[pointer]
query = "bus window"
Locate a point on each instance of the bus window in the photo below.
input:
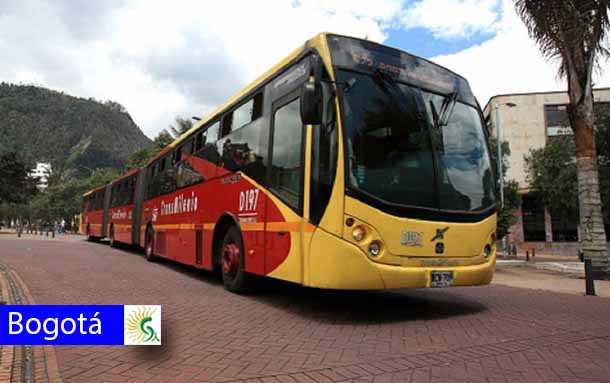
(242, 115)
(257, 108)
(176, 156)
(226, 124)
(246, 150)
(211, 134)
(286, 162)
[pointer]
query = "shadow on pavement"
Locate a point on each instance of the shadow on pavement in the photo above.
(365, 307)
(343, 306)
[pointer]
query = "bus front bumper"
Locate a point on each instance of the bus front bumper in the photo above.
(347, 267)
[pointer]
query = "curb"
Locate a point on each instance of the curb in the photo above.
(572, 268)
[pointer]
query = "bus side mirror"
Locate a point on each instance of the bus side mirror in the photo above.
(311, 103)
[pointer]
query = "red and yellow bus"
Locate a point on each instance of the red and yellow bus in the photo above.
(94, 213)
(348, 165)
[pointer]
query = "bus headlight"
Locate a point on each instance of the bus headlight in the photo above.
(358, 233)
(487, 251)
(375, 248)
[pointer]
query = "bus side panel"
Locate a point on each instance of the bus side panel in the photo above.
(121, 218)
(177, 216)
(93, 220)
(246, 202)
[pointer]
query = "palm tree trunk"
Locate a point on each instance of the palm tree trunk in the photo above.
(592, 233)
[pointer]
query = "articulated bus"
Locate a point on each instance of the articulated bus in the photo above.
(348, 165)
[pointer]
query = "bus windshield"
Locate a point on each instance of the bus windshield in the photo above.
(413, 133)
(399, 153)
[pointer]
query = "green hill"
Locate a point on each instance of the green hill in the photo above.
(72, 133)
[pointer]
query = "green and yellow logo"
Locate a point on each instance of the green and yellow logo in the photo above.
(143, 325)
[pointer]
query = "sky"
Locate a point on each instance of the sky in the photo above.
(163, 59)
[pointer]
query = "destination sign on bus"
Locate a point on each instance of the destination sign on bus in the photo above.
(369, 57)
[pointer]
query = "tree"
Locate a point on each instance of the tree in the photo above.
(182, 126)
(552, 175)
(161, 141)
(140, 157)
(552, 171)
(64, 200)
(602, 140)
(507, 215)
(574, 33)
(16, 186)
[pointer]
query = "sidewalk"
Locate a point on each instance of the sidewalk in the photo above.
(534, 276)
(24, 363)
(12, 234)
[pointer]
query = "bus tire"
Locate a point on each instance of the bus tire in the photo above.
(91, 238)
(111, 237)
(232, 265)
(149, 245)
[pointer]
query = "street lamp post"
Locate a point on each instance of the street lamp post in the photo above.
(499, 159)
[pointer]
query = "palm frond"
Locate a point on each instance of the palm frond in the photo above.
(574, 32)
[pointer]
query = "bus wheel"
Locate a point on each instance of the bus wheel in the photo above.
(234, 275)
(150, 245)
(111, 237)
(90, 238)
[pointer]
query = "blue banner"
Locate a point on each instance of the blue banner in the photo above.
(80, 325)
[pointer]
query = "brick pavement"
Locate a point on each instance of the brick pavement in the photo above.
(288, 333)
(24, 363)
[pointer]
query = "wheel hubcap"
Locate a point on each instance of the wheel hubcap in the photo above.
(230, 259)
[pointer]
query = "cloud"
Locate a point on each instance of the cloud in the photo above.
(163, 59)
(510, 62)
(452, 19)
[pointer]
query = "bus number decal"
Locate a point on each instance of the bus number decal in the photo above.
(248, 200)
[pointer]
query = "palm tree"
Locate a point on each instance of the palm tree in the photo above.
(182, 125)
(574, 32)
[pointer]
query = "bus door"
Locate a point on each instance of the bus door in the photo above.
(286, 173)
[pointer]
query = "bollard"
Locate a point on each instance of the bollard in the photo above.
(527, 256)
(533, 252)
(53, 234)
(589, 278)
(18, 233)
(46, 233)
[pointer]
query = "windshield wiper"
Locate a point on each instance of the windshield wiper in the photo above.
(442, 119)
(447, 108)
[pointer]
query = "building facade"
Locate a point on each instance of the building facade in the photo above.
(528, 121)
(41, 171)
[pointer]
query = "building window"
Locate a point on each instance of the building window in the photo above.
(556, 120)
(533, 220)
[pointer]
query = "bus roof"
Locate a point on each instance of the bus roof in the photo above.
(125, 175)
(97, 188)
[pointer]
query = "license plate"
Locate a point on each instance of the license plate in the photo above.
(441, 278)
